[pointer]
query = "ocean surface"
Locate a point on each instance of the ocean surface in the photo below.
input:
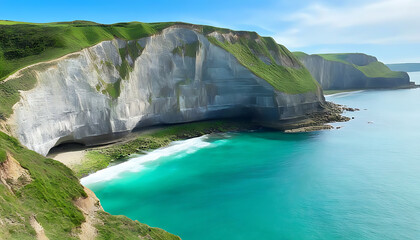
(361, 181)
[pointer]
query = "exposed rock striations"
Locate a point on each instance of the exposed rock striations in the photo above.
(352, 71)
(176, 76)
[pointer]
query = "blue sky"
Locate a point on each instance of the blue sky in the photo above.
(387, 29)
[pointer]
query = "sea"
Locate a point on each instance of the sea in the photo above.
(360, 181)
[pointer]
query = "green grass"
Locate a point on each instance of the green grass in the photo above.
(300, 54)
(378, 69)
(7, 22)
(372, 70)
(93, 161)
(284, 79)
(121, 227)
(132, 49)
(97, 159)
(113, 89)
(22, 44)
(49, 197)
(188, 49)
(3, 156)
(9, 91)
(336, 57)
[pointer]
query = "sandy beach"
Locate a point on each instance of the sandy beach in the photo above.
(69, 154)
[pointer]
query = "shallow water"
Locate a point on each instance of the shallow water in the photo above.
(358, 182)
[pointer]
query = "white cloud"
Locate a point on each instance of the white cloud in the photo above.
(379, 22)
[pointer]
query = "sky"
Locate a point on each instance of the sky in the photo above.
(387, 29)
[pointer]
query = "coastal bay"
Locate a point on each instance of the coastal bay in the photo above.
(359, 181)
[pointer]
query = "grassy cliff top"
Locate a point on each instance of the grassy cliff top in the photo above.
(370, 66)
(48, 195)
(300, 54)
(23, 44)
(261, 56)
(337, 57)
(378, 69)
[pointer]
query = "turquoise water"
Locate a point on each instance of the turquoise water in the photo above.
(358, 182)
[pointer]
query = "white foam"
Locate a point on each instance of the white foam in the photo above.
(137, 164)
(343, 94)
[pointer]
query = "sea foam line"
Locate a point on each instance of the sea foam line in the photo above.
(137, 164)
(343, 94)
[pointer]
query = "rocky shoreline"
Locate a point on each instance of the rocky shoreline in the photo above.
(316, 121)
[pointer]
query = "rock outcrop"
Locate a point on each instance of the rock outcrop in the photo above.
(12, 174)
(107, 90)
(352, 71)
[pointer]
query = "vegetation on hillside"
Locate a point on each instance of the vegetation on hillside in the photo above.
(2, 155)
(121, 227)
(372, 70)
(28, 43)
(250, 49)
(300, 55)
(100, 158)
(379, 70)
(49, 198)
(9, 91)
(23, 44)
(335, 57)
(188, 49)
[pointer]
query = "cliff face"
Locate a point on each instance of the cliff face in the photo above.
(115, 86)
(352, 71)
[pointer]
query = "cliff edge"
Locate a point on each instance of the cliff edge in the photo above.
(351, 71)
(182, 73)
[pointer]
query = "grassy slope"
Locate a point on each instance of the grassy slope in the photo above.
(50, 198)
(372, 70)
(299, 54)
(378, 69)
(97, 159)
(23, 44)
(284, 79)
(28, 43)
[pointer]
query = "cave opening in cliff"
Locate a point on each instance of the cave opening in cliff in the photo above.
(66, 147)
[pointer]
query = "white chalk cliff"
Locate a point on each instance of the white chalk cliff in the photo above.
(115, 86)
(334, 75)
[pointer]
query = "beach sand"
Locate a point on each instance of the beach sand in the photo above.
(68, 154)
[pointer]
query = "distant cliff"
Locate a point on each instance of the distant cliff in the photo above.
(351, 71)
(181, 74)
